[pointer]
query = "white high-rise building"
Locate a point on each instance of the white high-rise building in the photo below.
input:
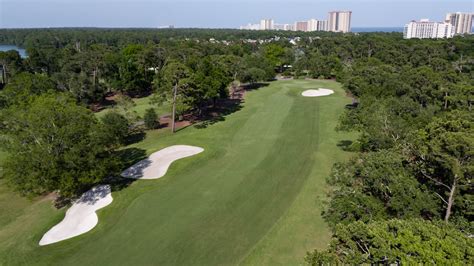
(339, 21)
(322, 25)
(317, 25)
(462, 22)
(424, 29)
(289, 27)
(266, 24)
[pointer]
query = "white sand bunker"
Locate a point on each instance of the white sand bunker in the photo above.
(317, 93)
(81, 217)
(158, 163)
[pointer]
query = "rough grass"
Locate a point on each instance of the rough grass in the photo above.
(141, 105)
(253, 197)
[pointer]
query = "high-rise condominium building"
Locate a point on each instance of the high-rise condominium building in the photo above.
(301, 26)
(462, 22)
(317, 25)
(339, 21)
(424, 29)
(266, 24)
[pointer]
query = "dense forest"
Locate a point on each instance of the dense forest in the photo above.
(406, 196)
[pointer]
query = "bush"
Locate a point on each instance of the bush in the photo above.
(116, 127)
(151, 119)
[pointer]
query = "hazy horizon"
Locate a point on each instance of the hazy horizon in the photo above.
(214, 14)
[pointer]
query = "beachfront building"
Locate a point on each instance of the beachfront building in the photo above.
(339, 21)
(301, 26)
(425, 29)
(461, 22)
(266, 24)
(317, 25)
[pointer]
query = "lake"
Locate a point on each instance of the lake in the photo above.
(7, 47)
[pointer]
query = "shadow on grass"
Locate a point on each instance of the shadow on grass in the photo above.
(126, 157)
(135, 137)
(348, 145)
(218, 112)
(224, 107)
(255, 86)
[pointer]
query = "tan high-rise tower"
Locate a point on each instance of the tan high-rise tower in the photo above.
(462, 22)
(339, 21)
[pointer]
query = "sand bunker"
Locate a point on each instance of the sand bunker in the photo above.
(317, 93)
(81, 217)
(158, 163)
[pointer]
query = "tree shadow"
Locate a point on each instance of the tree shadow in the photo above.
(218, 112)
(127, 158)
(351, 106)
(346, 145)
(255, 86)
(135, 137)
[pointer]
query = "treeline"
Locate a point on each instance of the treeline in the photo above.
(407, 196)
(53, 140)
(60, 37)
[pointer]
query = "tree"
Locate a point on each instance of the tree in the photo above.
(125, 106)
(132, 70)
(252, 75)
(396, 242)
(151, 119)
(55, 145)
(174, 78)
(11, 64)
(116, 128)
(24, 86)
(375, 186)
(444, 150)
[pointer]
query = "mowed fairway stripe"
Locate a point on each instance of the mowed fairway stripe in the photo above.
(232, 201)
(214, 208)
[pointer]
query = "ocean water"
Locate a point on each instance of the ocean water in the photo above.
(7, 47)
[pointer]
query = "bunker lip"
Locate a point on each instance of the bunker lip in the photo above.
(81, 217)
(317, 93)
(158, 163)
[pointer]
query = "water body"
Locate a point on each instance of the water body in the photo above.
(377, 29)
(8, 47)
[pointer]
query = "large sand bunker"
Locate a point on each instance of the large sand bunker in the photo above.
(317, 93)
(81, 217)
(158, 163)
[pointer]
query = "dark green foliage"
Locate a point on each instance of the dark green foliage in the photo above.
(54, 145)
(444, 150)
(396, 242)
(24, 86)
(375, 186)
(412, 108)
(116, 128)
(151, 119)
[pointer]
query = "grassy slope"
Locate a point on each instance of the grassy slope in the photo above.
(253, 197)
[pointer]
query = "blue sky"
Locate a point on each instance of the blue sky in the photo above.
(215, 14)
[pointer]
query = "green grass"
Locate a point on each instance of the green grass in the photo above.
(253, 197)
(141, 105)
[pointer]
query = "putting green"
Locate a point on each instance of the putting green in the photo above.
(253, 197)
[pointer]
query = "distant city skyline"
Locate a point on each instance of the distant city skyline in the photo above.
(215, 14)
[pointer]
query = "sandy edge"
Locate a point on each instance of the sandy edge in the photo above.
(81, 217)
(317, 93)
(158, 163)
